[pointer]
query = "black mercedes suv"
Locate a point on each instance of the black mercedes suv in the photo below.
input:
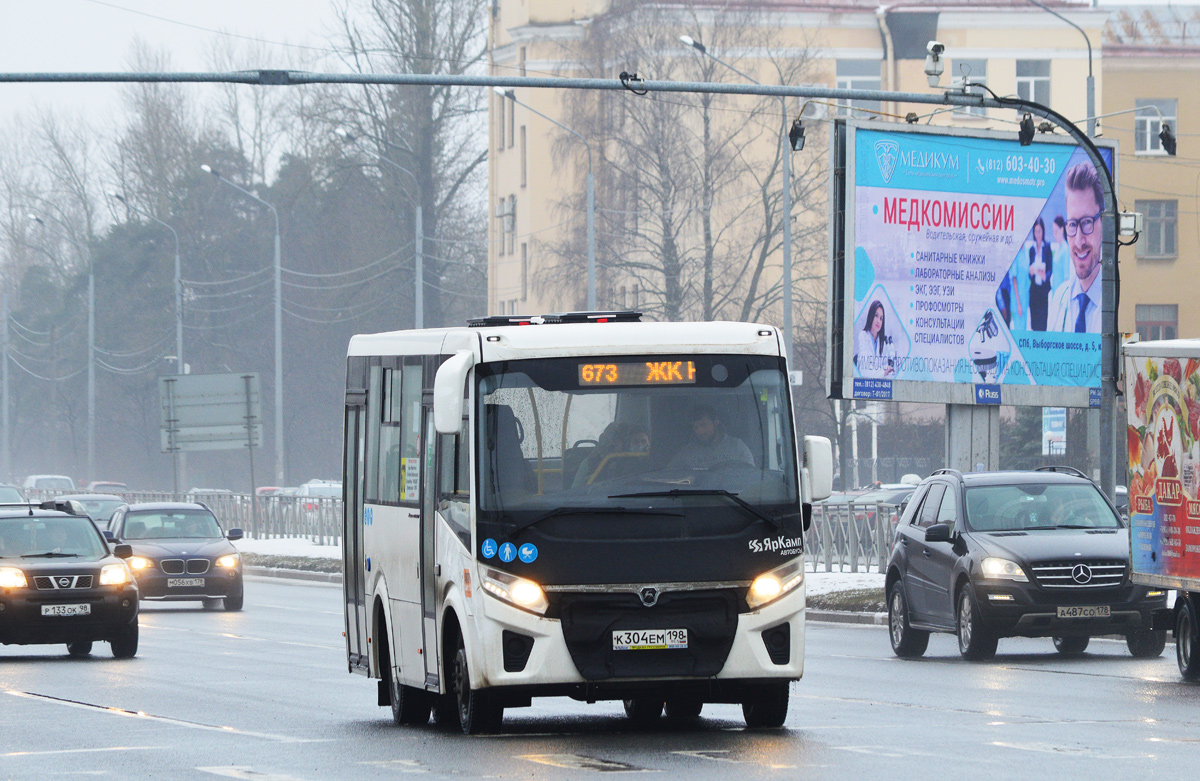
(61, 583)
(1015, 554)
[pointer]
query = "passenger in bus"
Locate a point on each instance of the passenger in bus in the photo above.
(639, 439)
(614, 439)
(709, 444)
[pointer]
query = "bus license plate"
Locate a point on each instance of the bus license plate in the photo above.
(649, 639)
(66, 610)
(1100, 611)
(185, 582)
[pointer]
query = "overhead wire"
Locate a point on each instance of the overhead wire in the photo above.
(71, 376)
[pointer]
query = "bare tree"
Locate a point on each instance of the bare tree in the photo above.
(430, 131)
(690, 202)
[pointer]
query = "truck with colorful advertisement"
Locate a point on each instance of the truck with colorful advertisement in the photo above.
(1162, 392)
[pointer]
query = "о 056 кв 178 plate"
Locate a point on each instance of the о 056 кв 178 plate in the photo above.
(649, 639)
(1101, 611)
(67, 610)
(185, 582)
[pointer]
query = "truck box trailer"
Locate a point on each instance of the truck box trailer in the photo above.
(1162, 393)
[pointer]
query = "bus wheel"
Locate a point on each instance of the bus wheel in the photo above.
(767, 707)
(409, 705)
(684, 708)
(475, 714)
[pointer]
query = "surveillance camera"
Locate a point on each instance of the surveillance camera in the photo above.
(934, 67)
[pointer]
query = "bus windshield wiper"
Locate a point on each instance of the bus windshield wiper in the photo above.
(586, 510)
(757, 513)
(50, 555)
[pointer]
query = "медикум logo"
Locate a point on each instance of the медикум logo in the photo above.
(887, 153)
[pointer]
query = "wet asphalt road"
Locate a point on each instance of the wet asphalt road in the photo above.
(264, 694)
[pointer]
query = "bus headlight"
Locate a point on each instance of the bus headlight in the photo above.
(11, 577)
(114, 574)
(521, 592)
(772, 585)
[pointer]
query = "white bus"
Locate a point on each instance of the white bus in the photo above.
(577, 505)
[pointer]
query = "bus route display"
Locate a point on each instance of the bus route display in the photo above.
(642, 373)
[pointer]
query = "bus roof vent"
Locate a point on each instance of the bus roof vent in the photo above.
(493, 320)
(625, 316)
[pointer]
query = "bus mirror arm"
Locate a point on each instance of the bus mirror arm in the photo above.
(448, 388)
(818, 468)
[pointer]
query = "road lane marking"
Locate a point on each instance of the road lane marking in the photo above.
(306, 610)
(240, 637)
(1048, 748)
(579, 762)
(165, 719)
(246, 772)
(399, 765)
(717, 755)
(82, 751)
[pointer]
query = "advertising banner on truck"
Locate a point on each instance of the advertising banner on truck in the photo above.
(1163, 438)
(971, 260)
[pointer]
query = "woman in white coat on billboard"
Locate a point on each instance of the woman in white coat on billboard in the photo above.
(873, 353)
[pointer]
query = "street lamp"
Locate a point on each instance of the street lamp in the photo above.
(419, 227)
(1091, 82)
(591, 196)
(791, 138)
(278, 325)
(178, 306)
(91, 359)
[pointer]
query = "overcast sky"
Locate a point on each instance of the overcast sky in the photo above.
(97, 35)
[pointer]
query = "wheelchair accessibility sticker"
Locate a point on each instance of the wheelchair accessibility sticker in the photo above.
(488, 548)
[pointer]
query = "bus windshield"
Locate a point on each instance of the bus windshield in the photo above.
(622, 434)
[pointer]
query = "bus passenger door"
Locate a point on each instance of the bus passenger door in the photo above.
(429, 565)
(354, 587)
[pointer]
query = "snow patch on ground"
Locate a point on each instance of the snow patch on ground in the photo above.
(830, 582)
(289, 546)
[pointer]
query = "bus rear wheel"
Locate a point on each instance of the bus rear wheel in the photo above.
(476, 715)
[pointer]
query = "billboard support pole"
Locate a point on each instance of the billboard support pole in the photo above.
(972, 437)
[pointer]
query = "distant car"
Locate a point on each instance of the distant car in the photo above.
(48, 483)
(267, 490)
(99, 507)
(106, 487)
(1015, 554)
(60, 582)
(326, 488)
(10, 494)
(180, 553)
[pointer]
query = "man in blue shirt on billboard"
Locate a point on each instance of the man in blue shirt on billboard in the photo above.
(1075, 307)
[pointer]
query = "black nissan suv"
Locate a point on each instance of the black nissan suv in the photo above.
(61, 583)
(1015, 554)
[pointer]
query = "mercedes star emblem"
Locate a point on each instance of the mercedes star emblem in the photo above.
(1081, 574)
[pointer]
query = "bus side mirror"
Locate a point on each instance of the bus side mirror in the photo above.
(818, 467)
(448, 388)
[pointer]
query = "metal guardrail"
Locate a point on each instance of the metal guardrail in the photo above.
(851, 537)
(315, 518)
(843, 537)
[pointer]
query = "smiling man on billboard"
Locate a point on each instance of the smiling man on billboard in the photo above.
(1075, 307)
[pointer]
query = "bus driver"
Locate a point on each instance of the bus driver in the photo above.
(709, 445)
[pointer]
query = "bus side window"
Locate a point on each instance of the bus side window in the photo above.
(454, 483)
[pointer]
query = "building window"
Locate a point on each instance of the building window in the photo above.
(1033, 81)
(521, 60)
(501, 103)
(859, 74)
(1148, 121)
(510, 234)
(524, 271)
(524, 159)
(502, 216)
(635, 297)
(1158, 239)
(1157, 321)
(975, 72)
(512, 125)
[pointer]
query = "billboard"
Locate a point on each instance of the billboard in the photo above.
(1164, 467)
(970, 268)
